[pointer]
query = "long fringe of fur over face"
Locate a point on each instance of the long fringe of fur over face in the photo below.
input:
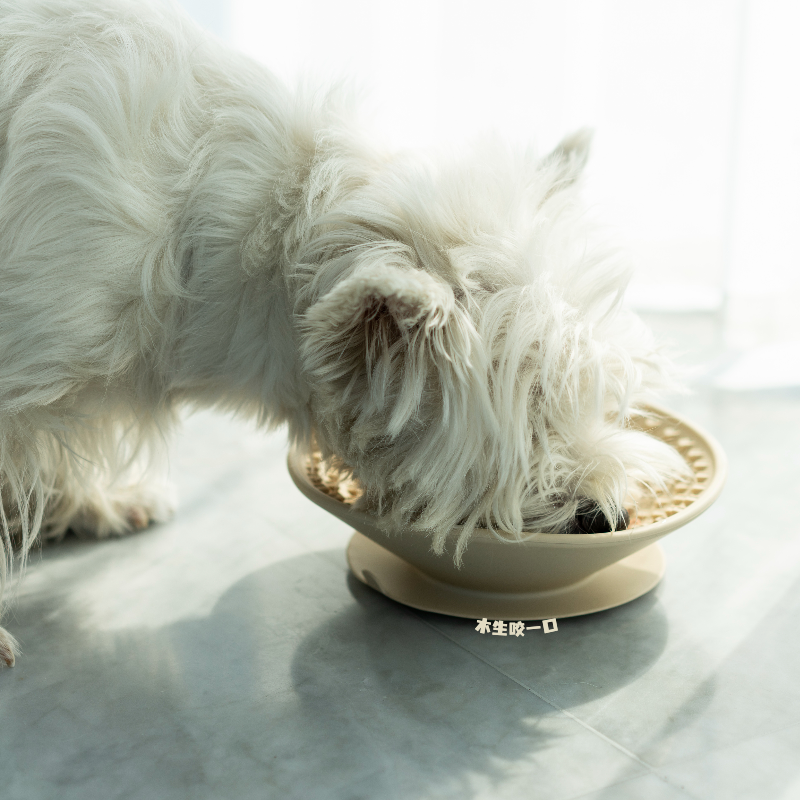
(469, 358)
(176, 226)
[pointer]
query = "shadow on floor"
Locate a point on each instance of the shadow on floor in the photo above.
(287, 689)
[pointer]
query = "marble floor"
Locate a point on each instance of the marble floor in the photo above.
(229, 654)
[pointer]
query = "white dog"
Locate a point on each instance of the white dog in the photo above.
(176, 226)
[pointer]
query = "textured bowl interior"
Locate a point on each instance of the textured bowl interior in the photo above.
(543, 561)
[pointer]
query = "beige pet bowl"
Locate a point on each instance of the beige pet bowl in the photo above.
(548, 575)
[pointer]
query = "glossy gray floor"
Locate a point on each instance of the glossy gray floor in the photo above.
(228, 653)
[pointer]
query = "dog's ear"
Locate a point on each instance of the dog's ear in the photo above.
(368, 344)
(406, 296)
(566, 163)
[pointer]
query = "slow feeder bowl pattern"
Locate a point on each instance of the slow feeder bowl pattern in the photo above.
(547, 575)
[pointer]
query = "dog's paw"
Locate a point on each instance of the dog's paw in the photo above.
(117, 512)
(8, 648)
(142, 505)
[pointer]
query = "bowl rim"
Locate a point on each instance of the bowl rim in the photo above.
(655, 530)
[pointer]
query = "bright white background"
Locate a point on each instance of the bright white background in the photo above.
(695, 104)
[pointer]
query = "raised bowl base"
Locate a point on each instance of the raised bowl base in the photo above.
(397, 579)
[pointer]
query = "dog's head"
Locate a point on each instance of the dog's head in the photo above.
(468, 357)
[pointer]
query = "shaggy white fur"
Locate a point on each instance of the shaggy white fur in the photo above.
(176, 226)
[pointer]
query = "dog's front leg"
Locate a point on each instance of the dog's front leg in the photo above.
(101, 506)
(89, 497)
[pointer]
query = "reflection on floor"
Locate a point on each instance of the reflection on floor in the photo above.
(228, 653)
